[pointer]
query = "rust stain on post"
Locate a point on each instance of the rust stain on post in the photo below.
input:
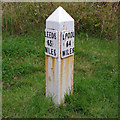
(61, 80)
(63, 44)
(51, 28)
(49, 78)
(53, 67)
(67, 72)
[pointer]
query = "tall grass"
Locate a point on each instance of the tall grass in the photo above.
(95, 18)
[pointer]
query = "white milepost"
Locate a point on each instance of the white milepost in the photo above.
(59, 51)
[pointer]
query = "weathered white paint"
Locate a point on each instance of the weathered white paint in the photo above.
(59, 71)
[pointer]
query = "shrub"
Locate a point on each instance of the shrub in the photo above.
(95, 18)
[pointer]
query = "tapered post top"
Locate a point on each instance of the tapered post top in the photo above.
(59, 15)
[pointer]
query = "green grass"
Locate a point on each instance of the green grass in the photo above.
(95, 79)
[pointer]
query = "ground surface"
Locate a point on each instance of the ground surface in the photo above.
(95, 79)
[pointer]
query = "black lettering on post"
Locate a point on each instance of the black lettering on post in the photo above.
(54, 35)
(73, 50)
(68, 35)
(54, 52)
(49, 34)
(67, 52)
(73, 34)
(51, 51)
(46, 49)
(65, 35)
(45, 33)
(49, 42)
(70, 43)
(70, 50)
(63, 52)
(67, 44)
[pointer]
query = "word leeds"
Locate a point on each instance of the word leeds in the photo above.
(51, 42)
(67, 44)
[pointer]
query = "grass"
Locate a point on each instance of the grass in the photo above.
(95, 79)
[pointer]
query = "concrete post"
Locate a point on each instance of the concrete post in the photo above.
(59, 51)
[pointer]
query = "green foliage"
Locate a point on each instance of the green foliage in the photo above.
(99, 19)
(17, 56)
(95, 79)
